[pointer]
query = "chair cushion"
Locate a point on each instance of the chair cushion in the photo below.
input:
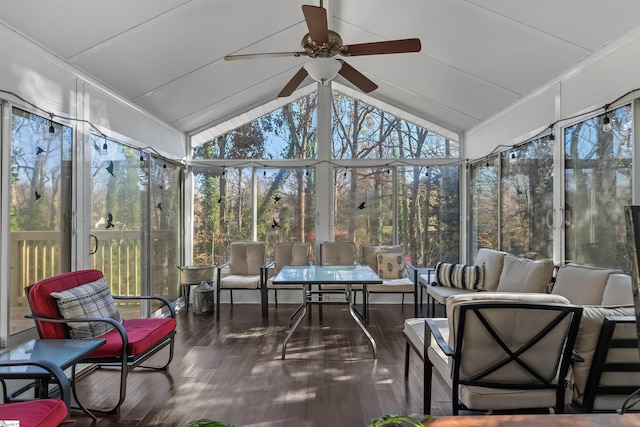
(587, 340)
(459, 276)
(89, 300)
(246, 258)
(294, 253)
(524, 275)
(240, 282)
(581, 284)
(390, 265)
(43, 304)
(142, 334)
(404, 285)
(35, 413)
(339, 253)
(618, 290)
(492, 261)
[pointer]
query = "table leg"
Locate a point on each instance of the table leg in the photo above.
(303, 307)
(355, 316)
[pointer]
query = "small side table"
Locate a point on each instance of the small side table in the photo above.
(63, 353)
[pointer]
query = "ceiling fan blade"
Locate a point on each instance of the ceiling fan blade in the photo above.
(316, 18)
(358, 79)
(380, 48)
(293, 83)
(263, 55)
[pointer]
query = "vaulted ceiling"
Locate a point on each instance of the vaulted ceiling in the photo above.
(477, 57)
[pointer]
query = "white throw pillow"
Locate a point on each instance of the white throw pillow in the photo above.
(391, 266)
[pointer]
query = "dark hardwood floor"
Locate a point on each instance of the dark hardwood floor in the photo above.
(231, 371)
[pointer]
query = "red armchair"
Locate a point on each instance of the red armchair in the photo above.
(40, 412)
(129, 343)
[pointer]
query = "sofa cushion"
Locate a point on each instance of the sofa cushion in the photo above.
(581, 284)
(492, 261)
(618, 290)
(459, 276)
(587, 339)
(524, 275)
(92, 299)
(441, 293)
(390, 265)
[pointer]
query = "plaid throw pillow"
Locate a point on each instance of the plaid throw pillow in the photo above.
(391, 266)
(459, 276)
(89, 300)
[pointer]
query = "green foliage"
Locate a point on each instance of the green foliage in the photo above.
(415, 420)
(209, 423)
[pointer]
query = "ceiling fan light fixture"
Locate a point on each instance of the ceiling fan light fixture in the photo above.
(322, 69)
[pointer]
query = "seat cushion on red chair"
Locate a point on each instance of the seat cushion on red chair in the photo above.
(35, 413)
(43, 304)
(142, 333)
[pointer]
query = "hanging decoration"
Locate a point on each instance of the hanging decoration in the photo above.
(110, 168)
(109, 221)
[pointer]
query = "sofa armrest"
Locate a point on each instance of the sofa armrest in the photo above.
(435, 331)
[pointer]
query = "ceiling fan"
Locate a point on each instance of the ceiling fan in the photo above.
(321, 44)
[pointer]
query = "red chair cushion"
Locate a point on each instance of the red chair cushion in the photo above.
(43, 304)
(142, 334)
(35, 413)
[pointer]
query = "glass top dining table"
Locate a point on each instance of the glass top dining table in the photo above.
(345, 275)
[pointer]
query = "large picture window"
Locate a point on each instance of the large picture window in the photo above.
(387, 185)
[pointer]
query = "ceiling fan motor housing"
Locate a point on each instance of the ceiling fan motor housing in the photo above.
(314, 49)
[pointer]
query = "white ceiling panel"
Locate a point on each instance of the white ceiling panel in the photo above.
(477, 57)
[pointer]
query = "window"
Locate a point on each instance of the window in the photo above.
(40, 236)
(135, 214)
(527, 200)
(597, 187)
(384, 190)
(484, 208)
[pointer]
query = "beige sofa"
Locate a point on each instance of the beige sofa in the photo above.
(500, 272)
(605, 295)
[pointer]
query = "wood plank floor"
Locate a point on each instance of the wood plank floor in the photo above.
(231, 371)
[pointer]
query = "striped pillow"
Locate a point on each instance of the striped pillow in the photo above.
(459, 276)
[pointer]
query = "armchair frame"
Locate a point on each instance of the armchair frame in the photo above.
(127, 359)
